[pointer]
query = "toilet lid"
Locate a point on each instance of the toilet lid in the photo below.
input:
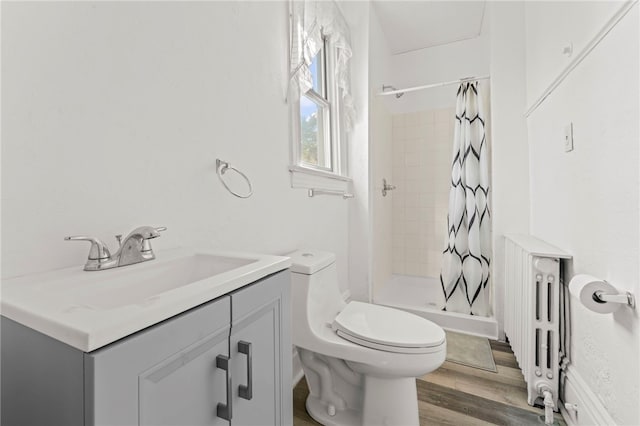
(384, 328)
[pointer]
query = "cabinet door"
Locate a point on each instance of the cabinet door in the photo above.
(260, 347)
(164, 375)
(186, 388)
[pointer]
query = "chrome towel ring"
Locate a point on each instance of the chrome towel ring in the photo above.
(222, 167)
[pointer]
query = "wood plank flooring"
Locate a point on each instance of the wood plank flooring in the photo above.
(458, 395)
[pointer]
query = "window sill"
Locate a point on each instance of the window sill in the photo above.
(302, 177)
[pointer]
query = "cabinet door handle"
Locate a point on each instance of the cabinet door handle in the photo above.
(224, 411)
(246, 392)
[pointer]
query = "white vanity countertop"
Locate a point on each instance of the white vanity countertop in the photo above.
(88, 310)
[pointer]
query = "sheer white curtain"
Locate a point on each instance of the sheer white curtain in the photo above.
(466, 259)
(311, 22)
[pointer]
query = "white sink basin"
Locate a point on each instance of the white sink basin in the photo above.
(143, 287)
(88, 310)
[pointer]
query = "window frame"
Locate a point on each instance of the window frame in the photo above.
(336, 137)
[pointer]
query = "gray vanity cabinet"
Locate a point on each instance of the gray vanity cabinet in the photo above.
(261, 354)
(172, 373)
(165, 375)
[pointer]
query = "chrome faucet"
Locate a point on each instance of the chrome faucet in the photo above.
(135, 248)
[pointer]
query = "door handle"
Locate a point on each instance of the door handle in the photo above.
(224, 411)
(246, 392)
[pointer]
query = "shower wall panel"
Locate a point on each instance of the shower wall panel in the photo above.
(422, 144)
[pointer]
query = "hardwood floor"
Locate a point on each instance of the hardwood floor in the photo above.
(458, 395)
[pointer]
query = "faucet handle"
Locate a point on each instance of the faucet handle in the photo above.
(147, 232)
(146, 244)
(98, 251)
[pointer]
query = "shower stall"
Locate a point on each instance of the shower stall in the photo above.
(412, 218)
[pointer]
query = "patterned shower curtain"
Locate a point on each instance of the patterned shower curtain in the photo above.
(465, 267)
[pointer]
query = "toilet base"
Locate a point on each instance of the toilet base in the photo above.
(319, 411)
(390, 401)
(387, 402)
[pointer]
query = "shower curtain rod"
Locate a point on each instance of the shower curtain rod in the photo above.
(429, 86)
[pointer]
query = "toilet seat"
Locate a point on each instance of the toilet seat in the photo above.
(387, 329)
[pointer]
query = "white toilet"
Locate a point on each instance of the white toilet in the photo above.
(360, 360)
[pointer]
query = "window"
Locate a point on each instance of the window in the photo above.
(315, 118)
(317, 131)
(321, 105)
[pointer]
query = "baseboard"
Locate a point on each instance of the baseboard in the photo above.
(296, 368)
(589, 409)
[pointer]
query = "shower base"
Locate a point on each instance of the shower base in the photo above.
(423, 296)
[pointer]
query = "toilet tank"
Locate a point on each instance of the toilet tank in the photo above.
(316, 296)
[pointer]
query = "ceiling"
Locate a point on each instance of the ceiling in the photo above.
(412, 25)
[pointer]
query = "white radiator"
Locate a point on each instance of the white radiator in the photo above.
(531, 311)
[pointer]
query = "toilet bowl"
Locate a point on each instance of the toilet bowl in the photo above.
(360, 360)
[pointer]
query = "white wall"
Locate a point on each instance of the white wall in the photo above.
(380, 142)
(571, 24)
(587, 201)
(437, 64)
(509, 149)
(114, 113)
(359, 225)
